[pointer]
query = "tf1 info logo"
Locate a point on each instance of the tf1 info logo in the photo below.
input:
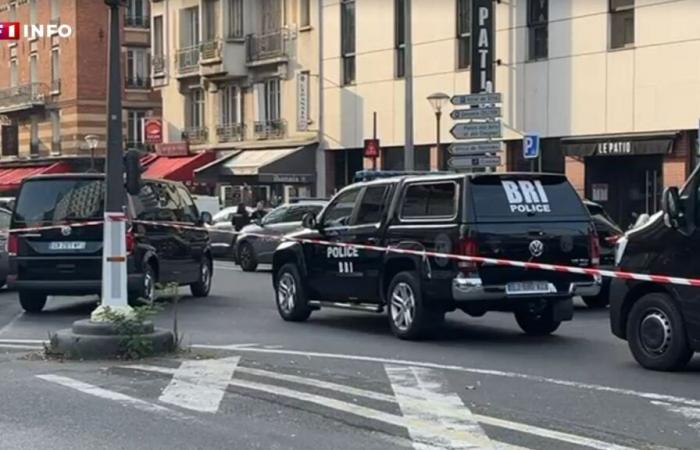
(13, 31)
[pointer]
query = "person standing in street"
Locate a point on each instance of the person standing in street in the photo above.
(259, 212)
(241, 217)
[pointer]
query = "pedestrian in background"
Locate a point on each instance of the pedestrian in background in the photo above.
(241, 217)
(259, 212)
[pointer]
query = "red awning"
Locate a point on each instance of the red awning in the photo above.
(11, 177)
(148, 159)
(179, 168)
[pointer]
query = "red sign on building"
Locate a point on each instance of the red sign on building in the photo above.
(173, 149)
(153, 130)
(371, 148)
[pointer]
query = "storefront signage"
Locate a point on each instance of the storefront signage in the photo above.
(614, 148)
(286, 178)
(173, 149)
(482, 73)
(153, 130)
(303, 117)
(371, 148)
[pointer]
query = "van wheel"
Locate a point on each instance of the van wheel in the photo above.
(32, 302)
(537, 323)
(409, 317)
(246, 257)
(146, 295)
(292, 303)
(202, 287)
(656, 334)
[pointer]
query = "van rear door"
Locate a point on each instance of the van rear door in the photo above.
(67, 251)
(529, 217)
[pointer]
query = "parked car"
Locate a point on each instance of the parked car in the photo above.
(516, 216)
(5, 218)
(222, 231)
(251, 249)
(661, 322)
(608, 235)
(67, 260)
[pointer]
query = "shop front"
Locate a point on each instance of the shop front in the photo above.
(627, 173)
(271, 175)
(175, 162)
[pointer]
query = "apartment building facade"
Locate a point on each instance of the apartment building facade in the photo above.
(239, 79)
(53, 89)
(611, 86)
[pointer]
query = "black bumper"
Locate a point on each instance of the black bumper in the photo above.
(70, 287)
(618, 320)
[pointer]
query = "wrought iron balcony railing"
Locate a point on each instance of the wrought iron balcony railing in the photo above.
(158, 64)
(23, 97)
(196, 135)
(260, 47)
(210, 50)
(233, 132)
(188, 59)
(137, 21)
(272, 129)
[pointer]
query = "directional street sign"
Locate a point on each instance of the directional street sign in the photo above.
(476, 130)
(476, 113)
(476, 99)
(472, 162)
(474, 148)
(531, 146)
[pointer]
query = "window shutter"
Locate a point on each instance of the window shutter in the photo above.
(259, 102)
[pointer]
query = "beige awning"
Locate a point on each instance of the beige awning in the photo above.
(248, 162)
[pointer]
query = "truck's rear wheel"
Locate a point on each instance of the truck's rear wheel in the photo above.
(537, 323)
(409, 316)
(290, 295)
(32, 302)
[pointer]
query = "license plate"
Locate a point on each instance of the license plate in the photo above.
(528, 287)
(67, 246)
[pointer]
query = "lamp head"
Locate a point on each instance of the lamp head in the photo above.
(437, 100)
(92, 141)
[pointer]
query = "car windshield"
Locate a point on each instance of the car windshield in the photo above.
(47, 202)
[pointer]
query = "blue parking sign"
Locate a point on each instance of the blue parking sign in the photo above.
(531, 146)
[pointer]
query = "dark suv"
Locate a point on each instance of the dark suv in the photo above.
(520, 217)
(67, 260)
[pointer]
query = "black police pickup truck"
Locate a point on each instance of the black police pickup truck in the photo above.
(521, 217)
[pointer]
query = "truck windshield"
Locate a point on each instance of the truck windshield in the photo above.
(526, 198)
(49, 202)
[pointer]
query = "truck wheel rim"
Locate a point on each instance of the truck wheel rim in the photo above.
(245, 256)
(286, 293)
(403, 306)
(206, 276)
(149, 287)
(655, 332)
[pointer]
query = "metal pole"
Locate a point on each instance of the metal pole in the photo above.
(438, 116)
(409, 158)
(92, 159)
(321, 151)
(114, 287)
(374, 136)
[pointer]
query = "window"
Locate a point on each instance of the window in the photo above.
(137, 14)
(55, 132)
(429, 200)
(5, 219)
(372, 205)
(186, 211)
(13, 12)
(275, 216)
(55, 10)
(134, 126)
(55, 70)
(621, 23)
(137, 68)
(464, 33)
(13, 73)
(189, 27)
(33, 68)
(229, 105)
(347, 38)
(297, 213)
(268, 101)
(400, 37)
(156, 202)
(210, 16)
(235, 19)
(34, 133)
(194, 114)
(32, 12)
(340, 212)
(158, 36)
(47, 202)
(304, 13)
(537, 18)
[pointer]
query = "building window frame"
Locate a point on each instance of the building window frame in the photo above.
(538, 29)
(34, 135)
(134, 129)
(229, 105)
(273, 100)
(234, 20)
(195, 104)
(55, 11)
(55, 117)
(622, 24)
(399, 38)
(55, 70)
(14, 72)
(464, 34)
(348, 41)
(138, 70)
(190, 27)
(305, 14)
(33, 68)
(210, 20)
(32, 12)
(136, 14)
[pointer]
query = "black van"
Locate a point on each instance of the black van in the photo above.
(661, 322)
(67, 260)
(510, 216)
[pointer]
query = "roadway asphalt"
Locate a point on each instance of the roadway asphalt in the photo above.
(338, 381)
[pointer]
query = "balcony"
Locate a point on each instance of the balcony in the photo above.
(234, 132)
(265, 47)
(137, 21)
(272, 129)
(138, 82)
(158, 63)
(210, 51)
(23, 97)
(196, 135)
(187, 60)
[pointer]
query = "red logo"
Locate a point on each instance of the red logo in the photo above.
(371, 148)
(9, 31)
(153, 129)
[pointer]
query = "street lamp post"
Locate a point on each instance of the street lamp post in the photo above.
(92, 142)
(437, 101)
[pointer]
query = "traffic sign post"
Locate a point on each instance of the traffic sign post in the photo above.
(474, 161)
(482, 122)
(476, 130)
(531, 150)
(474, 148)
(492, 112)
(476, 99)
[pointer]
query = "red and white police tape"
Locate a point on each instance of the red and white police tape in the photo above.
(664, 279)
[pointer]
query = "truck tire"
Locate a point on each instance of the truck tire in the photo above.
(203, 285)
(409, 317)
(290, 296)
(246, 257)
(32, 302)
(146, 294)
(656, 334)
(537, 323)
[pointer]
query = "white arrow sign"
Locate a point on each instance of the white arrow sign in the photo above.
(476, 161)
(476, 113)
(476, 130)
(476, 99)
(474, 148)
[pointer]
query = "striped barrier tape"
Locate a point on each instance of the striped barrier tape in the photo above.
(663, 279)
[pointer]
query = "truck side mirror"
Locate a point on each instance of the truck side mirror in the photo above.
(309, 221)
(132, 168)
(671, 204)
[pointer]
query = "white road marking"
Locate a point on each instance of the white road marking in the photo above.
(10, 323)
(122, 399)
(200, 385)
(423, 398)
(689, 413)
(21, 346)
(22, 341)
(499, 373)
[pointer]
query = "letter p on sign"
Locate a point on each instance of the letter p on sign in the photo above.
(531, 146)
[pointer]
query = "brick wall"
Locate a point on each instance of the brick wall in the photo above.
(576, 173)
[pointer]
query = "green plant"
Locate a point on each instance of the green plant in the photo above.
(133, 345)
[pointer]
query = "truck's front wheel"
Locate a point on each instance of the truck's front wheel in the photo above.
(409, 316)
(32, 302)
(537, 323)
